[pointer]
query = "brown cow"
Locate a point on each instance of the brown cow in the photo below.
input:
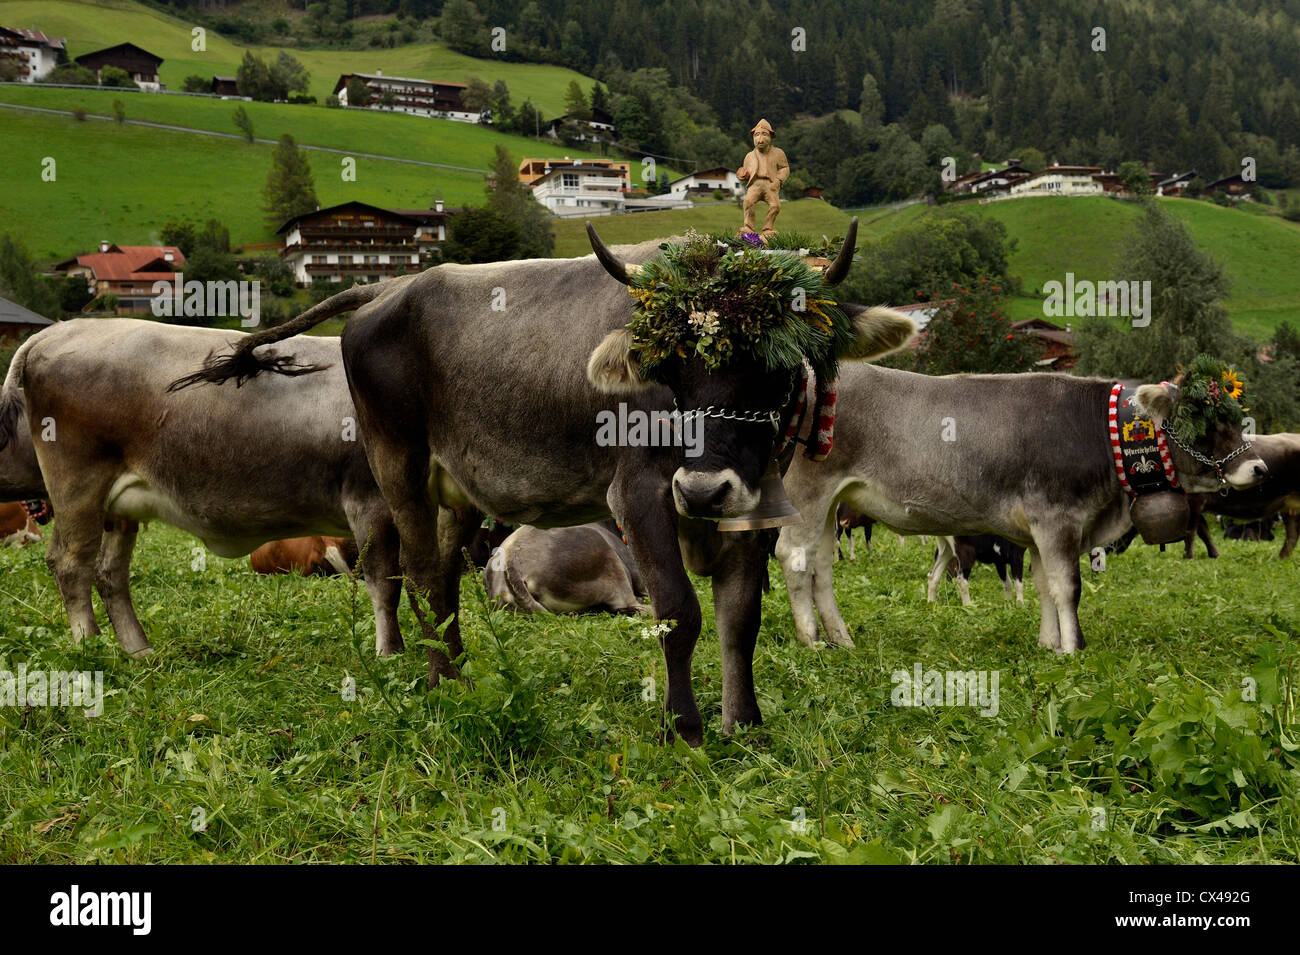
(16, 526)
(309, 556)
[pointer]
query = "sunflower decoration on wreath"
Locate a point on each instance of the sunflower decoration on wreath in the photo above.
(1210, 391)
(720, 300)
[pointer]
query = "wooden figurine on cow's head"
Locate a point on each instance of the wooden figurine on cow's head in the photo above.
(764, 170)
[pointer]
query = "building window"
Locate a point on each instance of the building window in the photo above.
(570, 180)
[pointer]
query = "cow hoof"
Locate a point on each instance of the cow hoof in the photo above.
(841, 640)
(389, 649)
(140, 653)
(751, 719)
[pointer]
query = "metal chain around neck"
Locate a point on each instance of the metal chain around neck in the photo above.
(1205, 459)
(744, 417)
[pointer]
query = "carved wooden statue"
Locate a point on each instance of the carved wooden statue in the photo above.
(764, 169)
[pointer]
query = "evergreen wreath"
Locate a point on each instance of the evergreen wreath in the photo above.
(1208, 393)
(715, 300)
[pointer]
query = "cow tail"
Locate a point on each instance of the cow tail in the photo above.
(519, 592)
(241, 364)
(12, 403)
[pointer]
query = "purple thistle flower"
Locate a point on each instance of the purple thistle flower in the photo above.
(752, 239)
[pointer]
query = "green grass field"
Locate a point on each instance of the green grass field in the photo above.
(123, 183)
(1138, 750)
(1086, 237)
(803, 215)
(92, 26)
(378, 132)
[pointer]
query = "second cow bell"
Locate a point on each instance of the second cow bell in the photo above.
(774, 508)
(1161, 517)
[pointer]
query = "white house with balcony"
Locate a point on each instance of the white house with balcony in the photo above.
(575, 189)
(1060, 181)
(36, 54)
(706, 182)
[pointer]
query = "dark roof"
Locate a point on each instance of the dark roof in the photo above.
(412, 215)
(11, 313)
(121, 51)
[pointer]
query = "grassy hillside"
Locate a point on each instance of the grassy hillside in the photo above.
(91, 26)
(389, 134)
(1086, 236)
(805, 215)
(124, 183)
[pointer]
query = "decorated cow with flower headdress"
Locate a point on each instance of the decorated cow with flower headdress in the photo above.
(483, 389)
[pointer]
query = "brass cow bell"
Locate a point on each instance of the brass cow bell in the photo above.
(774, 508)
(1162, 517)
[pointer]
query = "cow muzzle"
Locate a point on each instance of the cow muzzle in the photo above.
(1246, 472)
(712, 495)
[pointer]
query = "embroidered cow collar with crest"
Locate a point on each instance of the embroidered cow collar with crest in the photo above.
(1142, 461)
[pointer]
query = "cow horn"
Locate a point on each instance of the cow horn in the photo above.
(840, 267)
(613, 265)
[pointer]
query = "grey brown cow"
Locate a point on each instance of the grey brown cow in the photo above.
(478, 389)
(278, 459)
(1279, 492)
(565, 570)
(1025, 456)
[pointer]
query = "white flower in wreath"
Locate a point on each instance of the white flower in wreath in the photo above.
(706, 323)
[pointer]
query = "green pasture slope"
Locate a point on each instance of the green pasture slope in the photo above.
(1140, 749)
(812, 216)
(91, 26)
(123, 183)
(1261, 253)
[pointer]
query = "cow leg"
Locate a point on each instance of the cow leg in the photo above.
(1203, 531)
(456, 530)
(113, 581)
(1049, 624)
(852, 554)
(738, 612)
(823, 580)
(1006, 580)
(797, 550)
(944, 553)
(74, 546)
(378, 540)
(1291, 521)
(963, 587)
(1060, 549)
(1018, 572)
(646, 513)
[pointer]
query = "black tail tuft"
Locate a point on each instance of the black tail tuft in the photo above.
(242, 366)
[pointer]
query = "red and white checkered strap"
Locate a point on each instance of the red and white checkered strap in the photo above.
(1112, 420)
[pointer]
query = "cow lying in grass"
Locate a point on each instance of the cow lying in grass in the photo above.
(278, 458)
(1027, 457)
(1280, 491)
(959, 555)
(16, 526)
(308, 556)
(565, 570)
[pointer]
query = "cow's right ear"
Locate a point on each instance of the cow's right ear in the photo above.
(1157, 401)
(613, 367)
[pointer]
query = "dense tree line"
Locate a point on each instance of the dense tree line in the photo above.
(1200, 84)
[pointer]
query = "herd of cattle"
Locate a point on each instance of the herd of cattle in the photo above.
(437, 408)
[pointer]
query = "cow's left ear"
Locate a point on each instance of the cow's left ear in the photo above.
(613, 367)
(1157, 401)
(876, 331)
